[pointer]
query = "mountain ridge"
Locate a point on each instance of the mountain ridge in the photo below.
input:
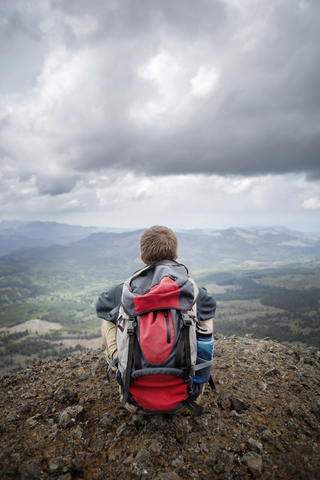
(217, 247)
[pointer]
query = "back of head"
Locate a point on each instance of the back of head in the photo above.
(158, 242)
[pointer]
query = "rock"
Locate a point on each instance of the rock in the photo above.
(79, 433)
(167, 476)
(234, 414)
(56, 465)
(71, 415)
(266, 436)
(137, 419)
(261, 428)
(293, 424)
(86, 442)
(120, 433)
(31, 469)
(99, 445)
(254, 446)
(67, 476)
(224, 463)
(64, 395)
(262, 386)
(25, 407)
(271, 372)
(315, 409)
(238, 405)
(32, 422)
(254, 462)
(218, 336)
(159, 422)
(155, 448)
(280, 447)
(12, 471)
(128, 460)
(13, 415)
(311, 422)
(142, 456)
(136, 470)
(196, 459)
(178, 462)
(181, 423)
(107, 420)
(78, 462)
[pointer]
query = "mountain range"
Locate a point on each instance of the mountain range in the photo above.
(18, 234)
(55, 244)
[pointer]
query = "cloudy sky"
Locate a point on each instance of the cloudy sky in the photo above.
(188, 113)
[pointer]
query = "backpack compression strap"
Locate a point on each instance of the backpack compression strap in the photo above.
(193, 407)
(211, 383)
(130, 332)
(113, 362)
(184, 344)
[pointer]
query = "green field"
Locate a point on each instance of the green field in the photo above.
(283, 304)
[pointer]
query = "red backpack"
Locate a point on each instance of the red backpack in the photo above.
(156, 339)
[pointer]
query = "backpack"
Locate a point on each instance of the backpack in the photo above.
(156, 339)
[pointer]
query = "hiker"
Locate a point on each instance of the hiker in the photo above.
(158, 246)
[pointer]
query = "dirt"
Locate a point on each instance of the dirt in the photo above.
(60, 420)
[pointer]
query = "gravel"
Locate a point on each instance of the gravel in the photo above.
(60, 421)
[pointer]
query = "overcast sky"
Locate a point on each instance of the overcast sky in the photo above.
(187, 113)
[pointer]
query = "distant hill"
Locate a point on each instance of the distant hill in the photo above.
(19, 234)
(218, 249)
(253, 247)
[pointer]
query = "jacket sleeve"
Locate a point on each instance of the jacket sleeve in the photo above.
(206, 305)
(107, 301)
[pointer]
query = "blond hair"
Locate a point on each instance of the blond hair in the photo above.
(158, 242)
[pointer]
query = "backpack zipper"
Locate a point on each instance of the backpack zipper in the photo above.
(168, 326)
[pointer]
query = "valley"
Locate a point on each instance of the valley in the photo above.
(266, 284)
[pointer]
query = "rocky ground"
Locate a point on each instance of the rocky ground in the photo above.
(59, 420)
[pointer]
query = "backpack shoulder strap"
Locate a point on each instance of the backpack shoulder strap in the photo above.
(114, 310)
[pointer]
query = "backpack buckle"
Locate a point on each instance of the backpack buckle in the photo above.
(130, 327)
(186, 319)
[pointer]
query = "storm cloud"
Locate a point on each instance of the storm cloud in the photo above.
(212, 87)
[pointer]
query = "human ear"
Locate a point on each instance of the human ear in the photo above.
(143, 259)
